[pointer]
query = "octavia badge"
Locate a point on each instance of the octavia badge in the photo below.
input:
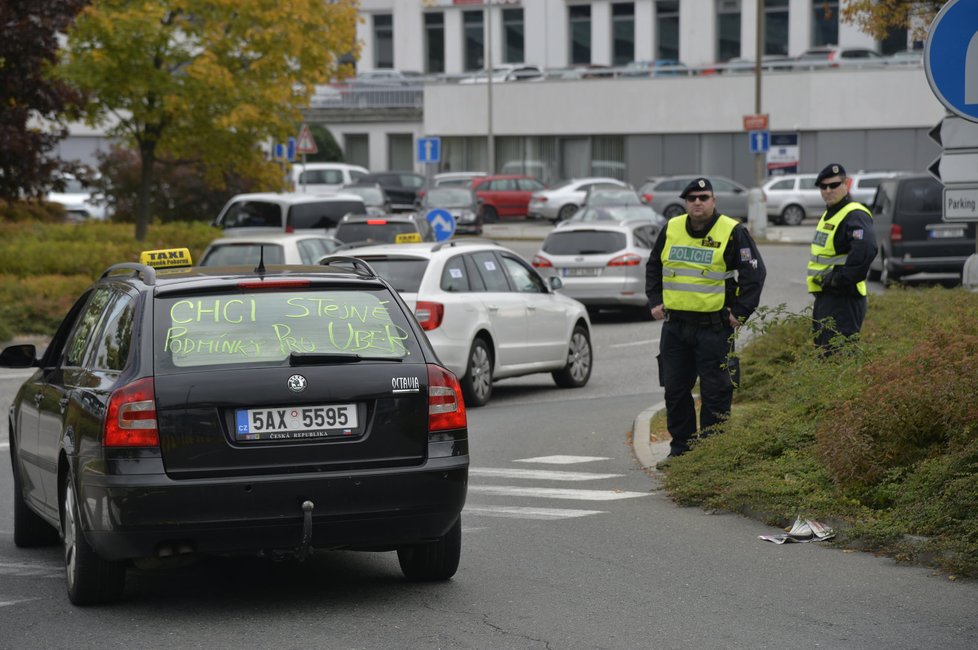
(297, 383)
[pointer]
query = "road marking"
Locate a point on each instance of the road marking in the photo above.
(42, 570)
(561, 460)
(557, 493)
(539, 474)
(634, 343)
(517, 512)
(6, 603)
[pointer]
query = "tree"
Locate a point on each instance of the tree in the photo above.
(31, 102)
(205, 80)
(878, 17)
(327, 149)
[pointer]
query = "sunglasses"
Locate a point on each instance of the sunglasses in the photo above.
(692, 198)
(829, 186)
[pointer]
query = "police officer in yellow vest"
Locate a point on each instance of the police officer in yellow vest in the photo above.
(842, 250)
(704, 279)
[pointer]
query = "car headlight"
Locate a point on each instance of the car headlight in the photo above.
(467, 216)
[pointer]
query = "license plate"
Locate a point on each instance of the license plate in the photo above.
(581, 272)
(296, 422)
(946, 233)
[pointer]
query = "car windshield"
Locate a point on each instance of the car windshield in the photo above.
(379, 231)
(613, 197)
(243, 253)
(404, 273)
(244, 328)
(372, 196)
(324, 214)
(447, 197)
(584, 242)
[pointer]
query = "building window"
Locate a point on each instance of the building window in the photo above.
(776, 27)
(580, 33)
(667, 30)
(825, 23)
(622, 33)
(383, 41)
(434, 33)
(728, 29)
(513, 36)
(475, 40)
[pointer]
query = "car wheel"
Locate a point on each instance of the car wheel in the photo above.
(578, 369)
(673, 210)
(887, 276)
(489, 214)
(30, 530)
(477, 382)
(792, 215)
(91, 580)
(434, 561)
(566, 212)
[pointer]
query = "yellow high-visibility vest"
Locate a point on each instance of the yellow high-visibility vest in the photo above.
(694, 273)
(823, 255)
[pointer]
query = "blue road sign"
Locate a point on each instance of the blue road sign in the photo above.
(760, 141)
(291, 149)
(279, 151)
(951, 57)
(429, 150)
(442, 222)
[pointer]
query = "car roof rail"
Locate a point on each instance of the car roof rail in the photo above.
(451, 243)
(142, 271)
(359, 266)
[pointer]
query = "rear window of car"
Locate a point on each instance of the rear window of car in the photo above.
(584, 242)
(921, 195)
(234, 254)
(253, 214)
(321, 177)
(325, 214)
(266, 327)
(381, 233)
(404, 273)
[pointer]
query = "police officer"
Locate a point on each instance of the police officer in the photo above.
(704, 279)
(842, 250)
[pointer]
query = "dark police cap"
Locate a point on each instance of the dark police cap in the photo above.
(835, 169)
(697, 185)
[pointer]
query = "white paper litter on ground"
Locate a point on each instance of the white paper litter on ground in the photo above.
(803, 531)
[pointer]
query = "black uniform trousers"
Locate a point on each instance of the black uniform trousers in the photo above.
(688, 350)
(846, 311)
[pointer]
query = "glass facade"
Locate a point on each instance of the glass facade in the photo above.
(513, 36)
(825, 23)
(383, 41)
(474, 40)
(667, 30)
(580, 33)
(622, 33)
(776, 27)
(434, 42)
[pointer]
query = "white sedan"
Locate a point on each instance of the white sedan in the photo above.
(560, 202)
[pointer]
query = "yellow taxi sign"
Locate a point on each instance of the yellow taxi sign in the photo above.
(408, 238)
(166, 258)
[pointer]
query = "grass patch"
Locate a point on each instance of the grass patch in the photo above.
(880, 440)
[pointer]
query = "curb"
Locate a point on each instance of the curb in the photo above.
(648, 453)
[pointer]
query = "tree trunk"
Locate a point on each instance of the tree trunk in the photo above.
(147, 154)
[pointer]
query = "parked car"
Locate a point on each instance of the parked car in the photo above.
(769, 63)
(324, 177)
(507, 72)
(906, 57)
(373, 195)
(614, 213)
(222, 412)
(271, 248)
(460, 202)
(561, 202)
(488, 313)
(289, 212)
(656, 68)
(505, 195)
(665, 191)
(911, 233)
(604, 195)
(78, 199)
(383, 87)
(863, 185)
(403, 188)
(792, 198)
(364, 230)
(833, 56)
(601, 264)
(463, 179)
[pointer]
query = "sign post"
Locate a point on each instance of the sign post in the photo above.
(305, 144)
(429, 154)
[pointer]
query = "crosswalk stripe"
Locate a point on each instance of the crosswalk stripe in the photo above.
(539, 474)
(517, 512)
(556, 493)
(561, 460)
(18, 569)
(7, 603)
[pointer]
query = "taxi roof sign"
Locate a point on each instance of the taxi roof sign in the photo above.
(166, 258)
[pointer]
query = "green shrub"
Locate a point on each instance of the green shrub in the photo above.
(32, 211)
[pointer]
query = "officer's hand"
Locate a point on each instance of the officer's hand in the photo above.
(734, 322)
(658, 312)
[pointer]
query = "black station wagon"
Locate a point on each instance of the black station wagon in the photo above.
(237, 411)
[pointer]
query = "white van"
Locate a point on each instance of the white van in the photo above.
(318, 177)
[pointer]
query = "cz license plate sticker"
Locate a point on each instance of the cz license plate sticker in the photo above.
(296, 422)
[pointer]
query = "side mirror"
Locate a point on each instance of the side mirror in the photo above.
(555, 283)
(18, 356)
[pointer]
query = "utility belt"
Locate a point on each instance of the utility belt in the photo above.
(715, 320)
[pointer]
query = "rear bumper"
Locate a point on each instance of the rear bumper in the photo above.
(910, 265)
(129, 516)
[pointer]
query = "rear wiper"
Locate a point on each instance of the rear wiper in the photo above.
(325, 358)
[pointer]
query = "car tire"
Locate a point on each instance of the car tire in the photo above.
(477, 381)
(792, 215)
(673, 210)
(565, 212)
(91, 580)
(30, 530)
(579, 360)
(434, 561)
(888, 277)
(489, 214)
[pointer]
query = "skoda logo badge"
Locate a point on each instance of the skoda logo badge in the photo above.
(297, 383)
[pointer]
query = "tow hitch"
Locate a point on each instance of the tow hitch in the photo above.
(305, 544)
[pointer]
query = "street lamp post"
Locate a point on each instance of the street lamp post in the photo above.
(490, 139)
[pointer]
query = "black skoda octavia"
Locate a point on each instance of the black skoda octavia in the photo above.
(233, 411)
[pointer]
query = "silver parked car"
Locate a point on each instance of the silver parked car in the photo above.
(601, 264)
(613, 214)
(662, 194)
(560, 202)
(791, 198)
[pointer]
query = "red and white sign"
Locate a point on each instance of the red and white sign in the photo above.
(756, 122)
(305, 143)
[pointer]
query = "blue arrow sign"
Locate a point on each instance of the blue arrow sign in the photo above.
(279, 152)
(429, 150)
(951, 57)
(442, 222)
(291, 149)
(760, 141)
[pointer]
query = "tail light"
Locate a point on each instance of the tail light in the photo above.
(446, 409)
(376, 222)
(541, 262)
(647, 197)
(628, 259)
(252, 285)
(130, 420)
(429, 314)
(896, 232)
(290, 228)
